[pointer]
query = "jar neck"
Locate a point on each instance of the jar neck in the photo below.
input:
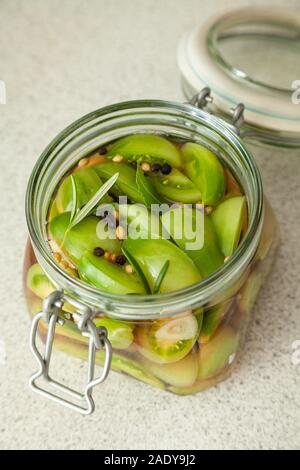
(107, 124)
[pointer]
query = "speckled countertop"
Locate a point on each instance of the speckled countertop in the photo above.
(61, 59)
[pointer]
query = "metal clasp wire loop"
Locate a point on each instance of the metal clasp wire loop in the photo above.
(201, 99)
(52, 307)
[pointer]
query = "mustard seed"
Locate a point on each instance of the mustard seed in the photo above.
(120, 233)
(129, 269)
(57, 257)
(208, 210)
(83, 162)
(145, 167)
(113, 258)
(118, 159)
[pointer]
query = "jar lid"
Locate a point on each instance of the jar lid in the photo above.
(249, 56)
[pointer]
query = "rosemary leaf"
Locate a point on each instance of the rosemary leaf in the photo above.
(138, 270)
(161, 277)
(74, 199)
(89, 206)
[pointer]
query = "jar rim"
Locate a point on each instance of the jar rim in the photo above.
(145, 306)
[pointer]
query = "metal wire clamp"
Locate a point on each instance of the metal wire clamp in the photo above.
(204, 97)
(50, 314)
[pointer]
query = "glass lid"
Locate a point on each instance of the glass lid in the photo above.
(249, 56)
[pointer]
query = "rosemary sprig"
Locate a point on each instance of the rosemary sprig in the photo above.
(161, 277)
(74, 198)
(139, 271)
(89, 206)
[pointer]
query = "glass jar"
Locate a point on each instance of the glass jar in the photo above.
(220, 303)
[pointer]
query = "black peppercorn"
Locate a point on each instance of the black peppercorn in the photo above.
(166, 169)
(98, 251)
(156, 167)
(120, 259)
(102, 150)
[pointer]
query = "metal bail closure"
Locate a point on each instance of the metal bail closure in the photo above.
(52, 307)
(203, 98)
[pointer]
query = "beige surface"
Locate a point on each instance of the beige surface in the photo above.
(61, 59)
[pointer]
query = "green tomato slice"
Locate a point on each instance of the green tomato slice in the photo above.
(204, 169)
(146, 188)
(87, 183)
(176, 187)
(108, 276)
(167, 341)
(249, 292)
(151, 256)
(126, 183)
(181, 373)
(38, 282)
(219, 352)
(120, 334)
(193, 232)
(228, 218)
(85, 236)
(147, 147)
(212, 319)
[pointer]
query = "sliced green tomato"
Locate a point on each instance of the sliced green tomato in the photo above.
(41, 286)
(228, 218)
(167, 341)
(198, 386)
(204, 169)
(119, 333)
(193, 232)
(53, 212)
(249, 292)
(147, 147)
(182, 373)
(108, 276)
(269, 233)
(35, 306)
(232, 186)
(38, 282)
(151, 256)
(212, 319)
(85, 236)
(176, 187)
(87, 183)
(134, 369)
(219, 352)
(126, 183)
(141, 223)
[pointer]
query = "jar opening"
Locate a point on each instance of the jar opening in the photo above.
(248, 55)
(245, 49)
(103, 126)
